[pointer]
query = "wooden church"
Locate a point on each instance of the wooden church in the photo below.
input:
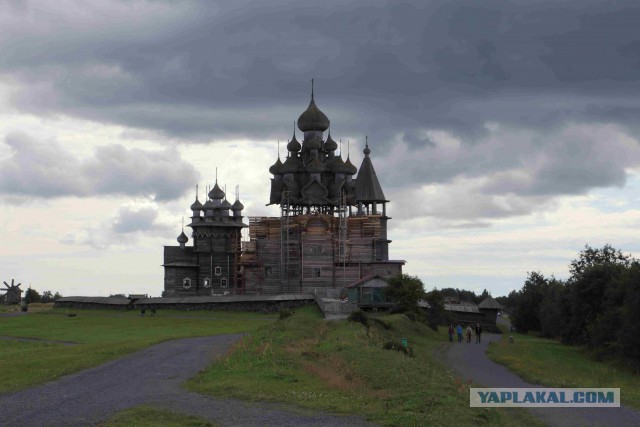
(332, 230)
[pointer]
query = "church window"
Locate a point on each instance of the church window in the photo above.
(206, 282)
(268, 271)
(218, 271)
(223, 282)
(186, 283)
(316, 271)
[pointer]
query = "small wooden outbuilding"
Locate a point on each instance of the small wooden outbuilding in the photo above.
(464, 314)
(368, 293)
(489, 308)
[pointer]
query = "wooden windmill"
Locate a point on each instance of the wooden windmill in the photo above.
(13, 293)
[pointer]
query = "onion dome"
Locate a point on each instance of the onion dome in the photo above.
(225, 204)
(196, 206)
(208, 206)
(315, 166)
(351, 169)
(182, 238)
(293, 145)
(237, 206)
(216, 192)
(366, 150)
(291, 165)
(330, 144)
(275, 168)
(338, 165)
(313, 118)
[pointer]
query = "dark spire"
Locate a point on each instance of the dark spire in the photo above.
(293, 145)
(225, 203)
(196, 206)
(350, 166)
(368, 187)
(237, 206)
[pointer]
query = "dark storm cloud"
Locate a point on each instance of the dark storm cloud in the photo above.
(201, 71)
(189, 66)
(45, 169)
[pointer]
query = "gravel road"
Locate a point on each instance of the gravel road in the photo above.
(151, 376)
(470, 361)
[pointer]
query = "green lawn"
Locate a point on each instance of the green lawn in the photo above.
(548, 362)
(341, 367)
(148, 416)
(101, 335)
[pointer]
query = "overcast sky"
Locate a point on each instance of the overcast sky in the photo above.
(505, 133)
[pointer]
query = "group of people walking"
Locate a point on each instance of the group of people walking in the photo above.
(469, 331)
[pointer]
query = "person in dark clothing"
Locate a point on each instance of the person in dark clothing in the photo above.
(450, 333)
(478, 333)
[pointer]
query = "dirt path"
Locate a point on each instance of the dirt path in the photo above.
(471, 362)
(152, 376)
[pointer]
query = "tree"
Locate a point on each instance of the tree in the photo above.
(590, 257)
(526, 316)
(405, 291)
(628, 339)
(554, 311)
(31, 296)
(595, 295)
(462, 294)
(46, 297)
(597, 306)
(435, 314)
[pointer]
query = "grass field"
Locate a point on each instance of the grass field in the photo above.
(35, 307)
(148, 416)
(342, 367)
(548, 362)
(101, 335)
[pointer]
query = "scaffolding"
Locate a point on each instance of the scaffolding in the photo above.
(343, 211)
(343, 214)
(290, 250)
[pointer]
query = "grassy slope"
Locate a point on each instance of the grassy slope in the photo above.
(102, 336)
(341, 367)
(548, 362)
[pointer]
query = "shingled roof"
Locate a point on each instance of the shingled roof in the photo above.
(490, 303)
(368, 187)
(97, 300)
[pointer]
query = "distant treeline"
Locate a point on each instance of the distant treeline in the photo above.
(597, 306)
(32, 296)
(463, 295)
